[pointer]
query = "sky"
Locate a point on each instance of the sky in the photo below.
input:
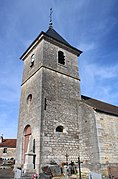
(89, 25)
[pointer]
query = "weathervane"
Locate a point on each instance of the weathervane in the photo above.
(50, 24)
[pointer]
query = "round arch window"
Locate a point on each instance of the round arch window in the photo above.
(59, 129)
(29, 98)
(27, 130)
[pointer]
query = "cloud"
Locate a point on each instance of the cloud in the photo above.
(102, 72)
(96, 81)
(87, 46)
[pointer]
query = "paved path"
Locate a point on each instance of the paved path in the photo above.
(6, 174)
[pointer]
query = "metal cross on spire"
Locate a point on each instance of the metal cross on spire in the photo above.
(50, 24)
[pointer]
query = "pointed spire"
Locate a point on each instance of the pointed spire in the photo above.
(50, 24)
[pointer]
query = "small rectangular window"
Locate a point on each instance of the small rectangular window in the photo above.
(5, 150)
(45, 104)
(61, 58)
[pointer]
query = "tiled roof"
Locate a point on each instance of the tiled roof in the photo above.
(8, 143)
(101, 106)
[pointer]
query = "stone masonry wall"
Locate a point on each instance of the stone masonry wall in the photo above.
(55, 145)
(30, 114)
(89, 153)
(107, 130)
(28, 71)
(10, 153)
(60, 92)
(50, 60)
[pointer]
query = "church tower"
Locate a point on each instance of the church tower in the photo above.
(48, 117)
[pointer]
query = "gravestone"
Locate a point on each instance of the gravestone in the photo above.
(53, 170)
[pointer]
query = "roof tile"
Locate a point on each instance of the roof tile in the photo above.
(8, 143)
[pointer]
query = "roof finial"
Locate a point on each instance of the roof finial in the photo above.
(50, 24)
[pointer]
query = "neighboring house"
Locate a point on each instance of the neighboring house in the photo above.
(7, 152)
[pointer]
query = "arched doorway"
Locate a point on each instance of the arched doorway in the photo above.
(27, 134)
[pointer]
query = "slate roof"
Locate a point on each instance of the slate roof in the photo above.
(10, 143)
(54, 35)
(101, 106)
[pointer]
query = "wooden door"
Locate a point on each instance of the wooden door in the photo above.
(27, 133)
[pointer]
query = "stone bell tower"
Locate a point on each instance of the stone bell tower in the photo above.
(50, 90)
